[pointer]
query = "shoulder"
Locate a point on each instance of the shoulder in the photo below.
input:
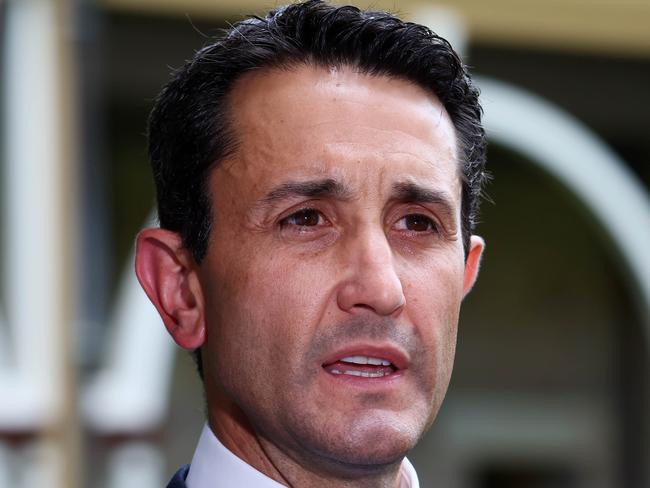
(178, 481)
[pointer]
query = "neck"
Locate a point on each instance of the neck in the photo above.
(235, 432)
(232, 428)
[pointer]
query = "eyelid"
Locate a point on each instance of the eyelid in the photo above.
(309, 205)
(435, 226)
(299, 211)
(404, 209)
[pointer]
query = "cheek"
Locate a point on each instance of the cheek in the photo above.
(433, 287)
(433, 296)
(264, 313)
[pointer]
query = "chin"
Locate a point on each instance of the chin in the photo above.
(369, 443)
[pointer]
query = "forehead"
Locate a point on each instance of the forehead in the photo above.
(312, 121)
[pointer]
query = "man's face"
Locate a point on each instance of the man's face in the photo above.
(335, 270)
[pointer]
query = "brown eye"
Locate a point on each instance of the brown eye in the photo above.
(304, 218)
(416, 223)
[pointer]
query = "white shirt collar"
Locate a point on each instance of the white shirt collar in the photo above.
(213, 461)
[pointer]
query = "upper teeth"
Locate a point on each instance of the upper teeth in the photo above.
(366, 360)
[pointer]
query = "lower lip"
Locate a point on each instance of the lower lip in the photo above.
(389, 381)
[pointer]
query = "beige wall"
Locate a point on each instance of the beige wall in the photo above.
(618, 27)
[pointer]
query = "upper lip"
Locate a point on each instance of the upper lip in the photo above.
(391, 352)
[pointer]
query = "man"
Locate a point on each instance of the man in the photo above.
(318, 174)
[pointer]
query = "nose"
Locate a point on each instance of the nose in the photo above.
(371, 280)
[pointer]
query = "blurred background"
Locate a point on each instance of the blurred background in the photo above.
(551, 387)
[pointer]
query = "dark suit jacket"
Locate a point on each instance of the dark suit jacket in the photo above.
(178, 481)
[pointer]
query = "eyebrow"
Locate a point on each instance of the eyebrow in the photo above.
(407, 192)
(312, 189)
(412, 192)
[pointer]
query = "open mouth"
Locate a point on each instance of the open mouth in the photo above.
(361, 366)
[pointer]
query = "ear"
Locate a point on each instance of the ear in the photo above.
(472, 263)
(167, 272)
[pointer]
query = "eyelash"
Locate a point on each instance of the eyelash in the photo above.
(304, 213)
(308, 214)
(432, 227)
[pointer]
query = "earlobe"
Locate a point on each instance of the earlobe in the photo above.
(166, 271)
(472, 263)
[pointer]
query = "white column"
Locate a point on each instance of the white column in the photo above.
(445, 21)
(38, 190)
(136, 464)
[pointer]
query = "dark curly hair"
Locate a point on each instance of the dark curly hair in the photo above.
(190, 130)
